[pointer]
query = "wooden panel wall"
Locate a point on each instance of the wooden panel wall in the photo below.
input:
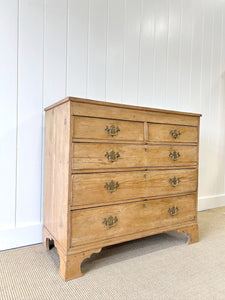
(159, 53)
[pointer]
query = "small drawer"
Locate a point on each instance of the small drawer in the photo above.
(172, 133)
(108, 129)
(112, 156)
(102, 188)
(95, 224)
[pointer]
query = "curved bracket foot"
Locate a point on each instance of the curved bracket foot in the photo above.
(191, 232)
(70, 265)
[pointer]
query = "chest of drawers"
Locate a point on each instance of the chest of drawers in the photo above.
(114, 173)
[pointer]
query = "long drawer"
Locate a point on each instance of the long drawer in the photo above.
(97, 156)
(94, 224)
(172, 133)
(103, 188)
(96, 128)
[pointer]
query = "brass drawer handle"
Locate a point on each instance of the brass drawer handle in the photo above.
(112, 156)
(173, 210)
(175, 133)
(112, 130)
(174, 181)
(112, 186)
(174, 155)
(110, 221)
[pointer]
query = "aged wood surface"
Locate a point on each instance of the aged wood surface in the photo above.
(57, 168)
(95, 128)
(88, 226)
(150, 187)
(93, 156)
(90, 190)
(161, 132)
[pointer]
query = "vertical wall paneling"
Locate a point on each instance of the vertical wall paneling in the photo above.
(147, 48)
(161, 46)
(8, 110)
(159, 53)
(186, 42)
(131, 51)
(206, 83)
(173, 53)
(196, 61)
(214, 112)
(115, 50)
(97, 49)
(30, 58)
(78, 21)
(55, 48)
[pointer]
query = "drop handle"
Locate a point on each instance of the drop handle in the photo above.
(111, 186)
(174, 181)
(173, 210)
(174, 155)
(112, 156)
(175, 133)
(110, 221)
(112, 130)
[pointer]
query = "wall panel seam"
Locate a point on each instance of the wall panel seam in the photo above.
(43, 114)
(88, 42)
(17, 116)
(106, 46)
(139, 53)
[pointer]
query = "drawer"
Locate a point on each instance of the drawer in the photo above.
(111, 156)
(103, 188)
(95, 224)
(172, 133)
(95, 128)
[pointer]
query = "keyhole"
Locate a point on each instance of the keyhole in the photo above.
(145, 176)
(144, 205)
(145, 149)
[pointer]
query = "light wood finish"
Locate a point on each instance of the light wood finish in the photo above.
(90, 190)
(77, 200)
(92, 156)
(70, 265)
(94, 128)
(57, 170)
(162, 132)
(87, 224)
(191, 232)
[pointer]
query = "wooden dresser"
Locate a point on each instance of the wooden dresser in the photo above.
(114, 173)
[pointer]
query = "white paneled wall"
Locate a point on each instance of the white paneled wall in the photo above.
(155, 53)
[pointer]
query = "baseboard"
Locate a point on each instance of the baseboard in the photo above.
(211, 202)
(20, 236)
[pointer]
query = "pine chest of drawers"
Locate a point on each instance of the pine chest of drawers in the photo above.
(114, 173)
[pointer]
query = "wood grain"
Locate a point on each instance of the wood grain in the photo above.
(87, 224)
(92, 155)
(78, 205)
(94, 128)
(161, 132)
(57, 170)
(89, 189)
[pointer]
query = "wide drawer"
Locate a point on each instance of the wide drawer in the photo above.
(97, 156)
(96, 128)
(103, 188)
(95, 224)
(172, 133)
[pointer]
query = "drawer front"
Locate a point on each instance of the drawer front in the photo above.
(172, 133)
(95, 224)
(111, 156)
(94, 128)
(103, 188)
